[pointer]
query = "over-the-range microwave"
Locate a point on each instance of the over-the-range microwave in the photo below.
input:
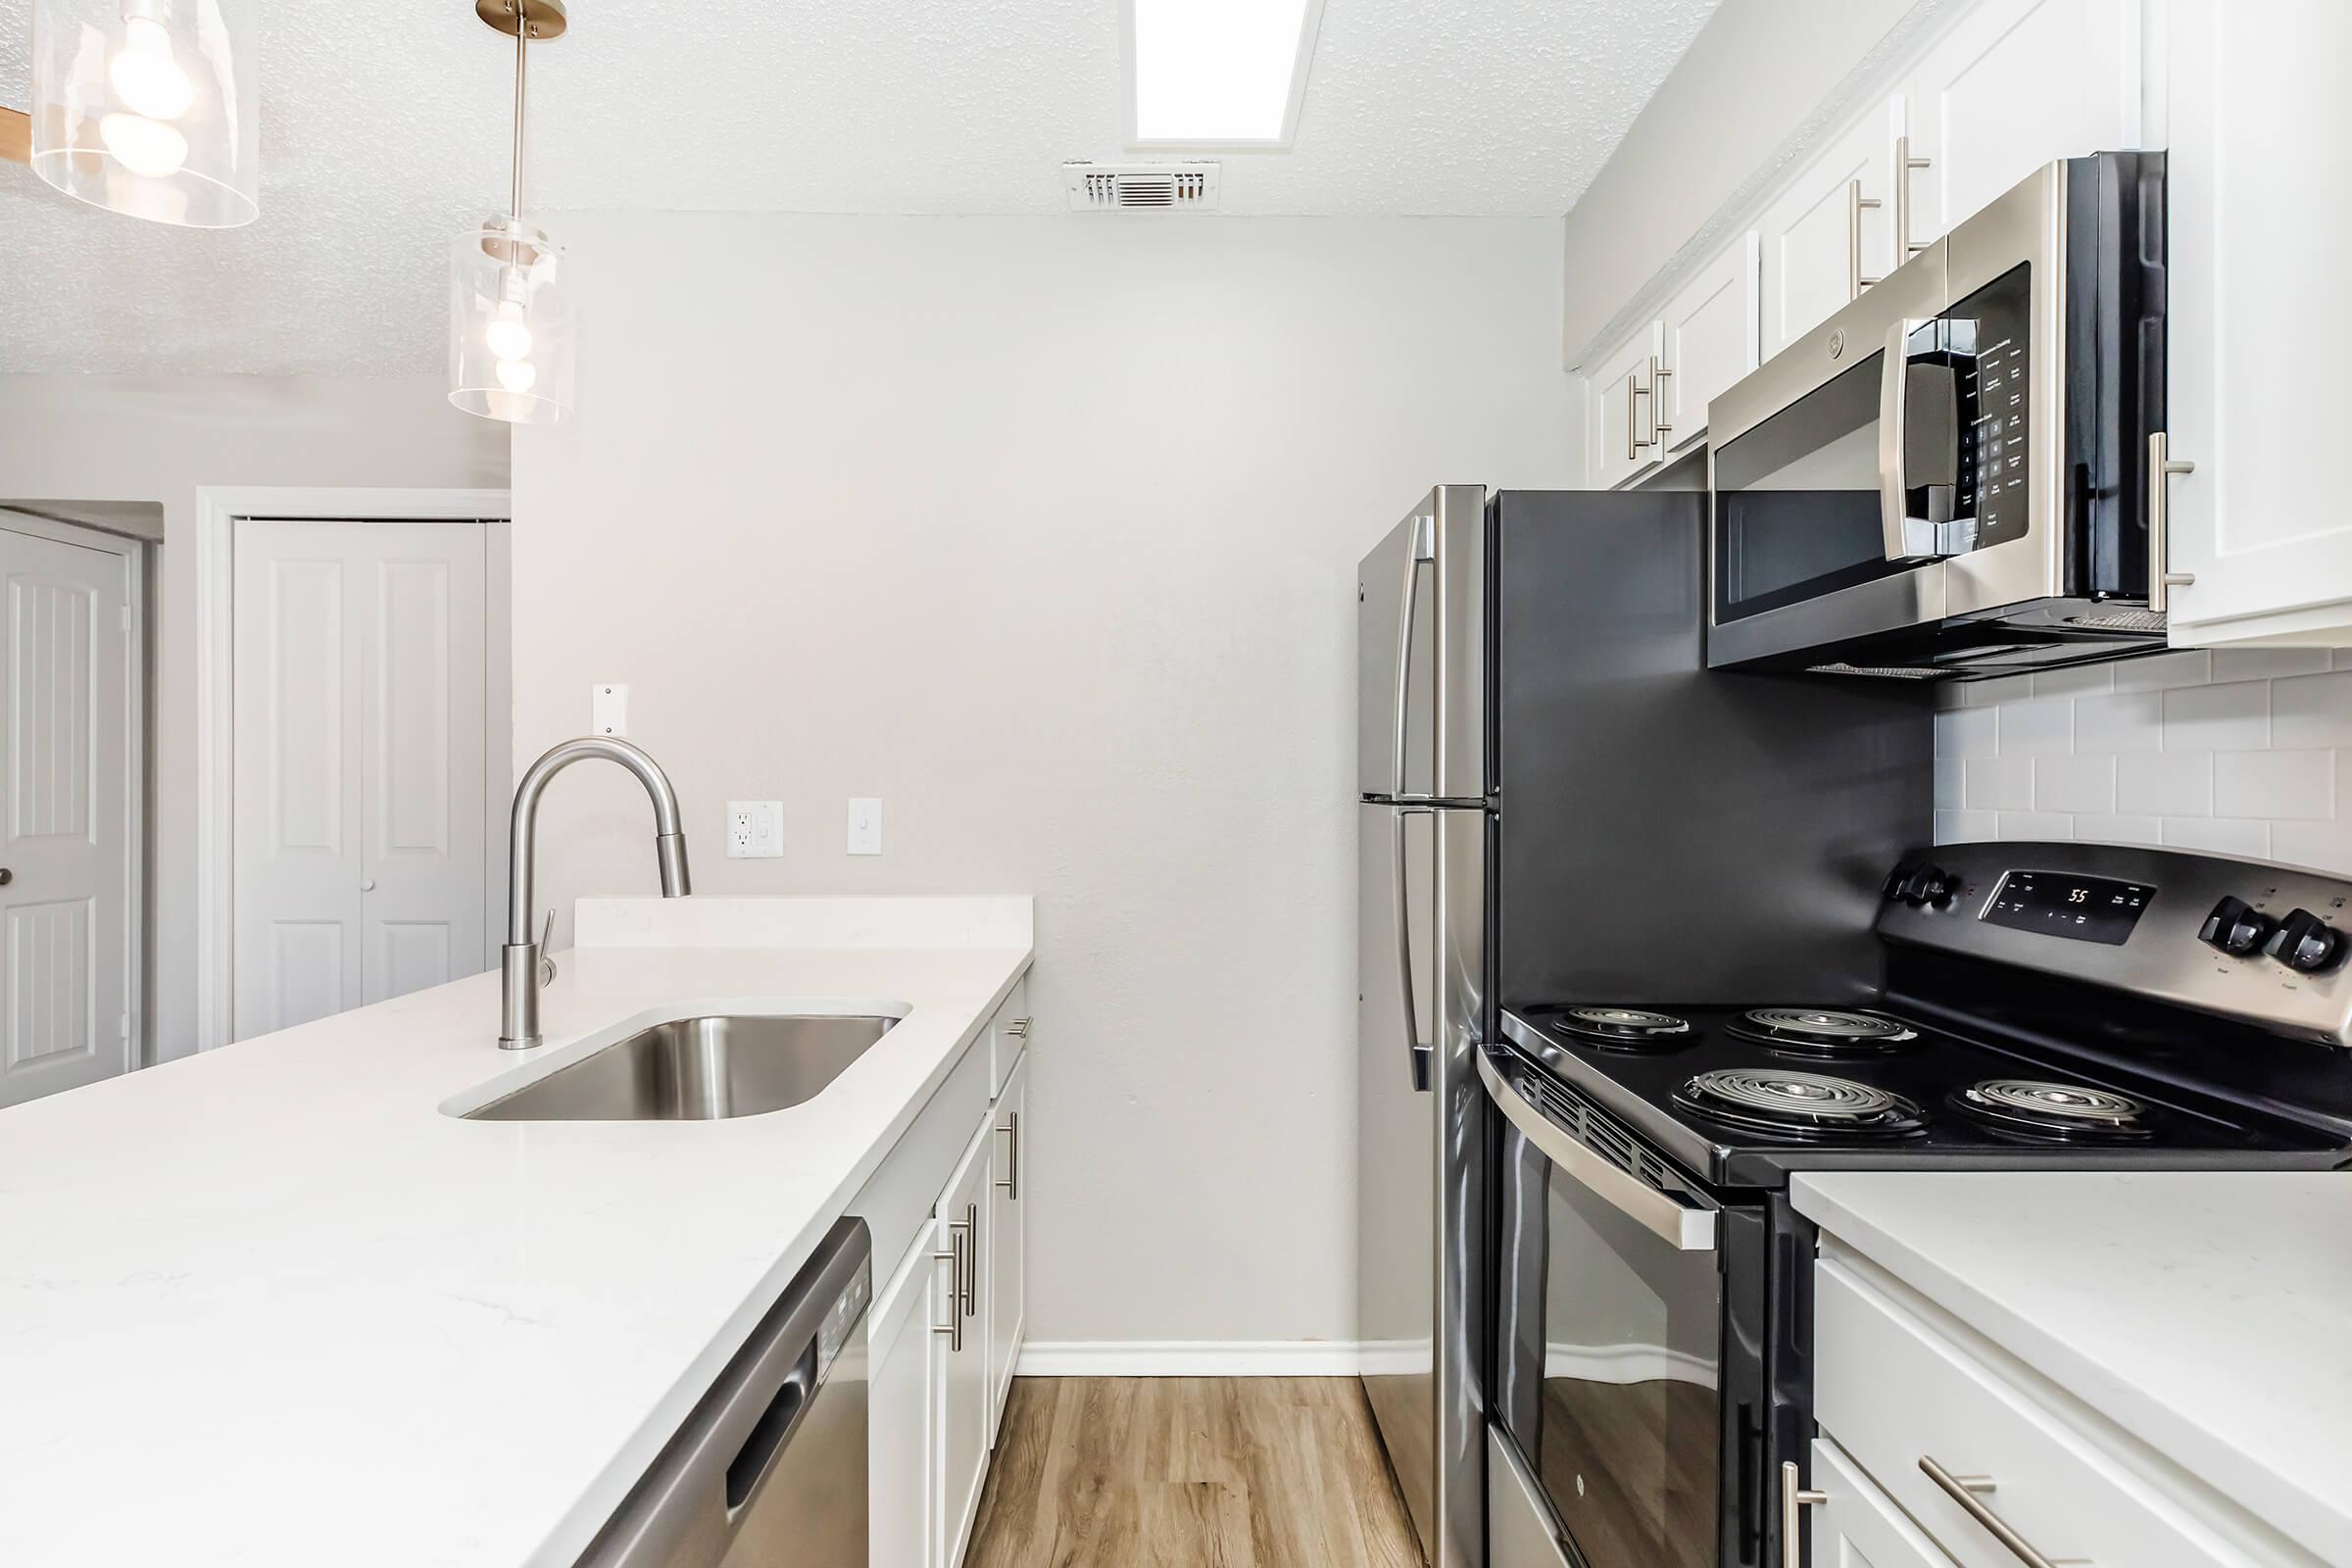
(1947, 479)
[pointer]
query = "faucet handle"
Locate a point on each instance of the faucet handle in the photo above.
(547, 965)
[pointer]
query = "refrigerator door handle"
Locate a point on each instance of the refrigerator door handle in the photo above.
(1418, 1052)
(1424, 551)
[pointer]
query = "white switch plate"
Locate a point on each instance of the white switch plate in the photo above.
(755, 830)
(608, 710)
(866, 825)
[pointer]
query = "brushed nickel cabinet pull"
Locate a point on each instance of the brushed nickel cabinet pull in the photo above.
(1905, 165)
(1658, 394)
(1964, 1490)
(1011, 1182)
(1794, 1496)
(1634, 392)
(2162, 466)
(957, 1231)
(971, 1244)
(1855, 205)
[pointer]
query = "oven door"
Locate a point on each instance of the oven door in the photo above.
(1610, 1346)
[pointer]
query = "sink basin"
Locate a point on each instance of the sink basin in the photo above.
(697, 1069)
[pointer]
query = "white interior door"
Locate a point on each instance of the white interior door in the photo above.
(65, 908)
(360, 671)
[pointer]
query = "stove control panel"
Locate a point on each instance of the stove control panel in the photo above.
(2243, 939)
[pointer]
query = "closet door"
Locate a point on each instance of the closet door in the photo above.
(360, 654)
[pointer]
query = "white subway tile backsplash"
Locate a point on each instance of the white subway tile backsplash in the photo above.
(2164, 671)
(1997, 784)
(2312, 711)
(1966, 731)
(2036, 727)
(2166, 784)
(2119, 829)
(2233, 752)
(2218, 835)
(2300, 785)
(2120, 722)
(2231, 718)
(2266, 664)
(2073, 783)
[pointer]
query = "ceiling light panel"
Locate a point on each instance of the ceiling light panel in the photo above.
(1217, 73)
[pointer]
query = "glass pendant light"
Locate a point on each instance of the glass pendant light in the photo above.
(148, 107)
(512, 329)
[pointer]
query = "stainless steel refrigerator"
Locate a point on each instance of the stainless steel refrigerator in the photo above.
(1558, 800)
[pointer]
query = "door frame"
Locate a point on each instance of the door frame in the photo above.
(218, 510)
(136, 1048)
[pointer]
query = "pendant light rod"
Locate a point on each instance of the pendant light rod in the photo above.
(523, 45)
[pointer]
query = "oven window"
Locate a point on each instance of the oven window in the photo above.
(1798, 508)
(1611, 1338)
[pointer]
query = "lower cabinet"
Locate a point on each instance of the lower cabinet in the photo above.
(944, 1337)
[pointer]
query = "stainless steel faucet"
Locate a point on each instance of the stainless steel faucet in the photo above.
(518, 960)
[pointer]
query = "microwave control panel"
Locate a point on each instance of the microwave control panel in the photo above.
(1988, 340)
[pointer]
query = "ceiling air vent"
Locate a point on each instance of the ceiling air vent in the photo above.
(1190, 187)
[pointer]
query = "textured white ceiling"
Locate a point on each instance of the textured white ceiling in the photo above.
(385, 131)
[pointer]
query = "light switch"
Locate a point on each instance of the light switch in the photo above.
(755, 830)
(866, 825)
(608, 710)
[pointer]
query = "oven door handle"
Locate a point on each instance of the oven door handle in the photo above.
(1680, 1225)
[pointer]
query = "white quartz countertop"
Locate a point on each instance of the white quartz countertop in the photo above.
(271, 1307)
(2208, 1315)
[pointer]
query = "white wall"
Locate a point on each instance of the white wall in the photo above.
(1043, 530)
(116, 439)
(2236, 752)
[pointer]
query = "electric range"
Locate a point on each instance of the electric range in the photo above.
(2043, 1007)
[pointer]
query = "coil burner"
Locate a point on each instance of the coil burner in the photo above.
(1799, 1105)
(2057, 1112)
(1821, 1031)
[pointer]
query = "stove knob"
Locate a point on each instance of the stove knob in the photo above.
(2234, 926)
(2305, 942)
(1923, 884)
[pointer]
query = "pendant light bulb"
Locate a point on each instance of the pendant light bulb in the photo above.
(510, 335)
(516, 375)
(148, 148)
(147, 78)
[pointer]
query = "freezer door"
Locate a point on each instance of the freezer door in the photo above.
(1421, 654)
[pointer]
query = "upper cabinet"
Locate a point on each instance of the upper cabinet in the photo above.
(1710, 342)
(2013, 85)
(1830, 234)
(1622, 411)
(2255, 266)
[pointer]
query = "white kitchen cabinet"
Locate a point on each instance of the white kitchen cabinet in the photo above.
(1831, 231)
(2255, 271)
(899, 1436)
(1621, 425)
(2013, 85)
(960, 1395)
(1712, 337)
(1857, 1526)
(1008, 1239)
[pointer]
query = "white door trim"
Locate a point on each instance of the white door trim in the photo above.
(218, 509)
(137, 1049)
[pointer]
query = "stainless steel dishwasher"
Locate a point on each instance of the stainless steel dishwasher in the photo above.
(770, 1468)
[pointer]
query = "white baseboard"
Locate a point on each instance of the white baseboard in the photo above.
(1188, 1358)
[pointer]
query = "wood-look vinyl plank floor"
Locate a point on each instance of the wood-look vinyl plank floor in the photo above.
(1190, 1473)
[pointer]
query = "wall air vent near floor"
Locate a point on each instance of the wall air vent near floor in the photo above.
(1150, 187)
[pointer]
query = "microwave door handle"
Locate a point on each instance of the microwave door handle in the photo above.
(1421, 551)
(1906, 538)
(1680, 1225)
(1418, 1052)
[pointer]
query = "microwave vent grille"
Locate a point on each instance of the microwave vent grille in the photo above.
(1595, 1130)
(1881, 671)
(2120, 620)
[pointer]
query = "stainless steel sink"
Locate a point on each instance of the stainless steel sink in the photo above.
(697, 1069)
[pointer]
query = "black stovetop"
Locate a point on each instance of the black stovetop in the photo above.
(1642, 1082)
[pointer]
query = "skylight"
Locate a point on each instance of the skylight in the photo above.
(1218, 72)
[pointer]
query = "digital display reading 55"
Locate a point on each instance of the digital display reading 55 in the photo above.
(2087, 909)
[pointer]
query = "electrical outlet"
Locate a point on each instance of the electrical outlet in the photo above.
(608, 709)
(755, 830)
(866, 825)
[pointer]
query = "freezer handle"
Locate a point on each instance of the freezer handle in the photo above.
(1418, 1052)
(1423, 551)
